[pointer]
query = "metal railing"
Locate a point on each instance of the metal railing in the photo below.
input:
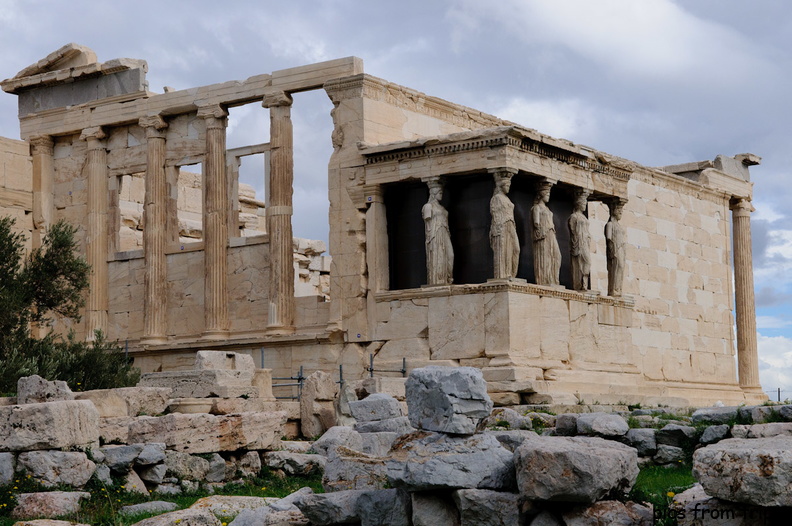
(297, 381)
(372, 370)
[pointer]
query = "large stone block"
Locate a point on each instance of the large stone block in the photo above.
(426, 461)
(431, 508)
(752, 471)
(48, 504)
(346, 469)
(456, 327)
(483, 507)
(605, 425)
(51, 468)
(127, 401)
(201, 433)
(611, 512)
(203, 383)
(574, 469)
(447, 399)
(385, 507)
(35, 389)
(51, 425)
(220, 360)
(330, 508)
(377, 406)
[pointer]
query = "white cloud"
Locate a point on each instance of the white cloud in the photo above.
(771, 322)
(765, 212)
(775, 363)
(562, 118)
(654, 39)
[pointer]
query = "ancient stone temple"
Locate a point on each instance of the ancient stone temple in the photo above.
(457, 238)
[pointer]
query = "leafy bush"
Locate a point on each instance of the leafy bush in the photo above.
(50, 282)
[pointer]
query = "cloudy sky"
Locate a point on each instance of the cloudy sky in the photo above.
(656, 81)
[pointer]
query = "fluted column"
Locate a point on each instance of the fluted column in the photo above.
(745, 303)
(215, 224)
(377, 241)
(41, 150)
(155, 305)
(96, 240)
(281, 285)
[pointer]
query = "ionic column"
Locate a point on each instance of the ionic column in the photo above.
(377, 241)
(281, 285)
(155, 306)
(215, 224)
(41, 149)
(745, 303)
(96, 240)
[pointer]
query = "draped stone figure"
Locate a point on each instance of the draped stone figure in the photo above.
(439, 252)
(503, 230)
(580, 243)
(546, 254)
(615, 245)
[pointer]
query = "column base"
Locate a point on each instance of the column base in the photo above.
(281, 330)
(216, 334)
(154, 340)
(754, 394)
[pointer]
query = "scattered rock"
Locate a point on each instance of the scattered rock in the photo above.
(676, 435)
(713, 434)
(153, 453)
(511, 439)
(7, 467)
(346, 469)
(120, 458)
(509, 419)
(433, 508)
(188, 517)
(386, 507)
(295, 463)
(399, 425)
(155, 506)
(377, 406)
(752, 471)
(610, 512)
(424, 461)
(217, 469)
(447, 399)
(35, 390)
(330, 508)
(186, 466)
(574, 469)
(48, 504)
(566, 424)
(51, 468)
(714, 415)
(378, 444)
(337, 436)
(606, 425)
(668, 454)
(481, 507)
(153, 474)
(643, 440)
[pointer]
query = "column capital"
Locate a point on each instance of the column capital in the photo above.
(277, 98)
(154, 125)
(741, 207)
(42, 144)
(93, 136)
(214, 115)
(503, 172)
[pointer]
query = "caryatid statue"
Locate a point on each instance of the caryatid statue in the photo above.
(580, 242)
(439, 252)
(615, 247)
(503, 230)
(546, 254)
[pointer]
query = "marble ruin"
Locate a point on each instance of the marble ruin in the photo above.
(564, 273)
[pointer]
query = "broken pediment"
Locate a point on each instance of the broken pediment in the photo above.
(69, 56)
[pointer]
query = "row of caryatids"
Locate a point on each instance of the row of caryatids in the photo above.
(506, 245)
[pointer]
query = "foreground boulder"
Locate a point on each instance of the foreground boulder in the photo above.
(51, 468)
(203, 433)
(447, 399)
(423, 461)
(610, 512)
(574, 469)
(35, 389)
(752, 471)
(50, 425)
(48, 504)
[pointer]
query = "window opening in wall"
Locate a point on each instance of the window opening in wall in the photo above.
(189, 202)
(127, 194)
(247, 161)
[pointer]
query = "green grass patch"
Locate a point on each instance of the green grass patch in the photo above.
(658, 485)
(105, 502)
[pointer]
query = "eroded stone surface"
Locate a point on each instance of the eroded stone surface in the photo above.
(35, 389)
(481, 507)
(50, 425)
(51, 468)
(574, 469)
(752, 471)
(447, 399)
(424, 461)
(48, 504)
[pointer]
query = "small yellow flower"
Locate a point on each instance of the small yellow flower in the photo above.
(103, 489)
(670, 494)
(122, 487)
